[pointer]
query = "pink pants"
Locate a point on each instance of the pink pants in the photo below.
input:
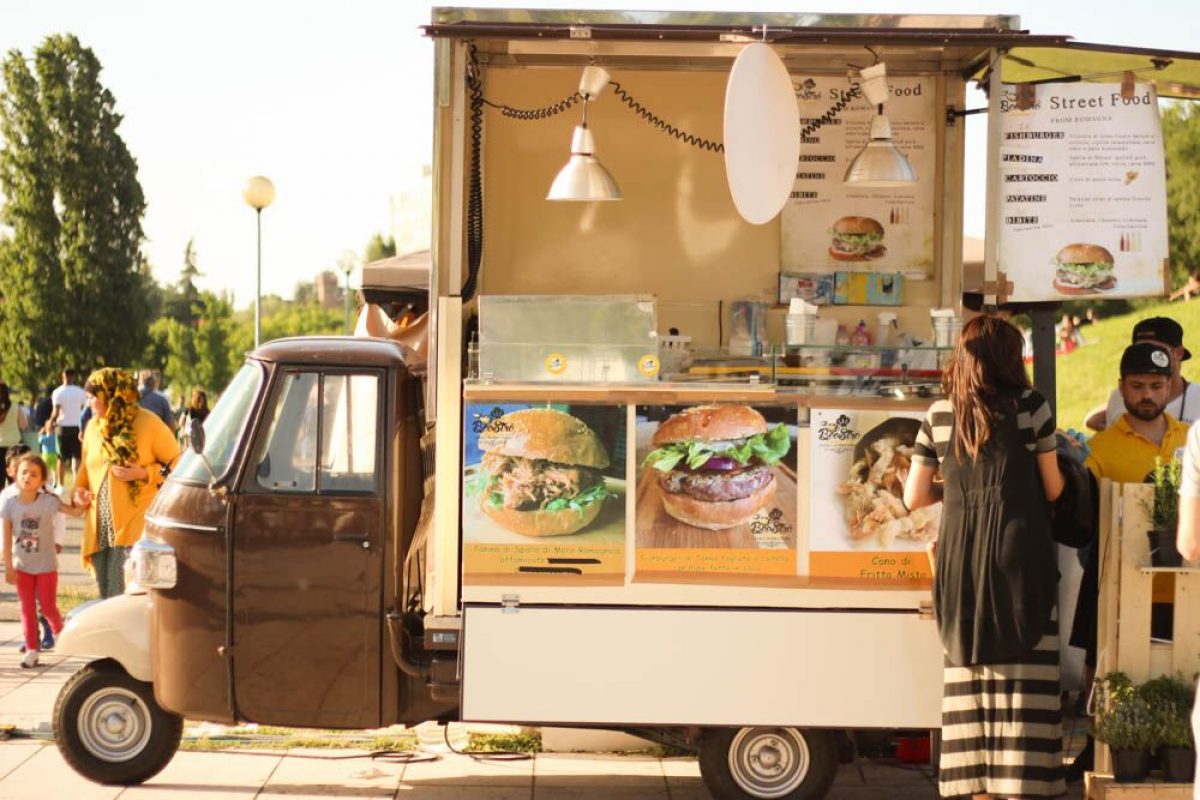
(44, 587)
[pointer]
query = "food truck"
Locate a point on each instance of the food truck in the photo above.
(643, 470)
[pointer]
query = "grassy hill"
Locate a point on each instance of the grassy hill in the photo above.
(1086, 376)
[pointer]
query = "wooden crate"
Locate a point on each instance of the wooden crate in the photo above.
(1103, 787)
(1126, 585)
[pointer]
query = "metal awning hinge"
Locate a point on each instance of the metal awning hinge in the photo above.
(509, 603)
(580, 32)
(925, 609)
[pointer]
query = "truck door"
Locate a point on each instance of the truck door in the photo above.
(307, 554)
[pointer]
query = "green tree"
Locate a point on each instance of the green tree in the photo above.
(195, 355)
(183, 298)
(74, 204)
(379, 247)
(1181, 140)
(286, 319)
(31, 280)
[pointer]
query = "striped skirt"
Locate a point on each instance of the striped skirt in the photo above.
(1002, 727)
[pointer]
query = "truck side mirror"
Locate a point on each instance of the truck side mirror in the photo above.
(196, 436)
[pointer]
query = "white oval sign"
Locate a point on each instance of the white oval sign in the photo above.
(762, 134)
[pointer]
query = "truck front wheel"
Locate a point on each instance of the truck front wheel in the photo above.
(768, 763)
(110, 729)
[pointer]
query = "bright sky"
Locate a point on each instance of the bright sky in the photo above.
(333, 102)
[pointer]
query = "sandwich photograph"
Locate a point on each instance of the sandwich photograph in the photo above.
(540, 473)
(716, 476)
(856, 239)
(1081, 269)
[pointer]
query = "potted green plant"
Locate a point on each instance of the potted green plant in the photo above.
(1163, 510)
(1127, 722)
(1172, 696)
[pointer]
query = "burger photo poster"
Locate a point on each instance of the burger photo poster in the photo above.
(1083, 193)
(859, 527)
(716, 491)
(828, 226)
(543, 494)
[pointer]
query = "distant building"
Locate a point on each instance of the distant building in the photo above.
(329, 293)
(410, 213)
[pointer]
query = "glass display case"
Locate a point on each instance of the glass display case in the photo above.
(862, 370)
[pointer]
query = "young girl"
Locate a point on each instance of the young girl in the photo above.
(30, 552)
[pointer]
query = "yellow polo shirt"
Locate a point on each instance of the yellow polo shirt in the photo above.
(1121, 454)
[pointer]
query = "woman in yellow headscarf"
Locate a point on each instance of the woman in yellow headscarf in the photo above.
(125, 448)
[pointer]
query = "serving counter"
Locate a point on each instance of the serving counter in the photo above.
(830, 531)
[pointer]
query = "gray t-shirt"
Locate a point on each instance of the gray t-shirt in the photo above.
(32, 532)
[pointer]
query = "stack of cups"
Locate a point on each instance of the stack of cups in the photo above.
(946, 327)
(800, 322)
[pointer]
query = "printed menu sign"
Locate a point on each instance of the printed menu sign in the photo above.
(829, 226)
(860, 528)
(1083, 193)
(544, 494)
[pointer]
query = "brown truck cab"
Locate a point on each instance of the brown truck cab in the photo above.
(276, 552)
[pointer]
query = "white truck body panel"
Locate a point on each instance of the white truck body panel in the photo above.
(701, 667)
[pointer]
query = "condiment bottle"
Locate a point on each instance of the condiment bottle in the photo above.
(860, 336)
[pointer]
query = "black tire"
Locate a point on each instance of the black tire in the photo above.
(768, 763)
(110, 729)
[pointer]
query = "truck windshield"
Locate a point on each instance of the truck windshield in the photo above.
(223, 427)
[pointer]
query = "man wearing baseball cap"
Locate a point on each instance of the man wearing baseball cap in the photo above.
(1126, 452)
(1183, 398)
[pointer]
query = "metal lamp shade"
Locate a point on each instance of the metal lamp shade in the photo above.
(879, 164)
(583, 178)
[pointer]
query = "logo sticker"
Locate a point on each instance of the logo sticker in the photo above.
(648, 365)
(556, 363)
(1160, 359)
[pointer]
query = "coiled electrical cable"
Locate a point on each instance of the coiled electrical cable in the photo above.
(663, 125)
(475, 185)
(830, 115)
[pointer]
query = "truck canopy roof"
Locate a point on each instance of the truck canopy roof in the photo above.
(908, 42)
(324, 350)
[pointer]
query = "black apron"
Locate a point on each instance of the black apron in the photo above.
(995, 585)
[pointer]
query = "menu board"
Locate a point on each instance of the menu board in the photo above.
(860, 528)
(716, 493)
(829, 226)
(544, 494)
(1083, 193)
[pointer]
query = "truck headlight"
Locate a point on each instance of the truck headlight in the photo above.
(152, 564)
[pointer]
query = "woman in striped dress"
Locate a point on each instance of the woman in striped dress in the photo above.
(995, 580)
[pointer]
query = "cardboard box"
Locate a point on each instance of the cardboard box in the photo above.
(814, 287)
(868, 289)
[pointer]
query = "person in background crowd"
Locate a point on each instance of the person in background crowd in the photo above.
(196, 409)
(1187, 537)
(1125, 452)
(995, 575)
(1183, 397)
(154, 400)
(12, 423)
(60, 531)
(68, 401)
(125, 449)
(43, 407)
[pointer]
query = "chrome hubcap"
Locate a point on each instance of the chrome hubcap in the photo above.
(769, 762)
(114, 724)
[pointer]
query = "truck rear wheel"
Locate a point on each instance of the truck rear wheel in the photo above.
(110, 729)
(768, 763)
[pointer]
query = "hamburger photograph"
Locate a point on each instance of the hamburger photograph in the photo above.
(856, 239)
(1084, 269)
(542, 472)
(715, 468)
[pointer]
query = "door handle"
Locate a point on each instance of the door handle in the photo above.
(361, 539)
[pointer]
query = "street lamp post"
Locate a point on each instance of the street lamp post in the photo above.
(258, 193)
(347, 262)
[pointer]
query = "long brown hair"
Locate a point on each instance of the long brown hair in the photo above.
(984, 367)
